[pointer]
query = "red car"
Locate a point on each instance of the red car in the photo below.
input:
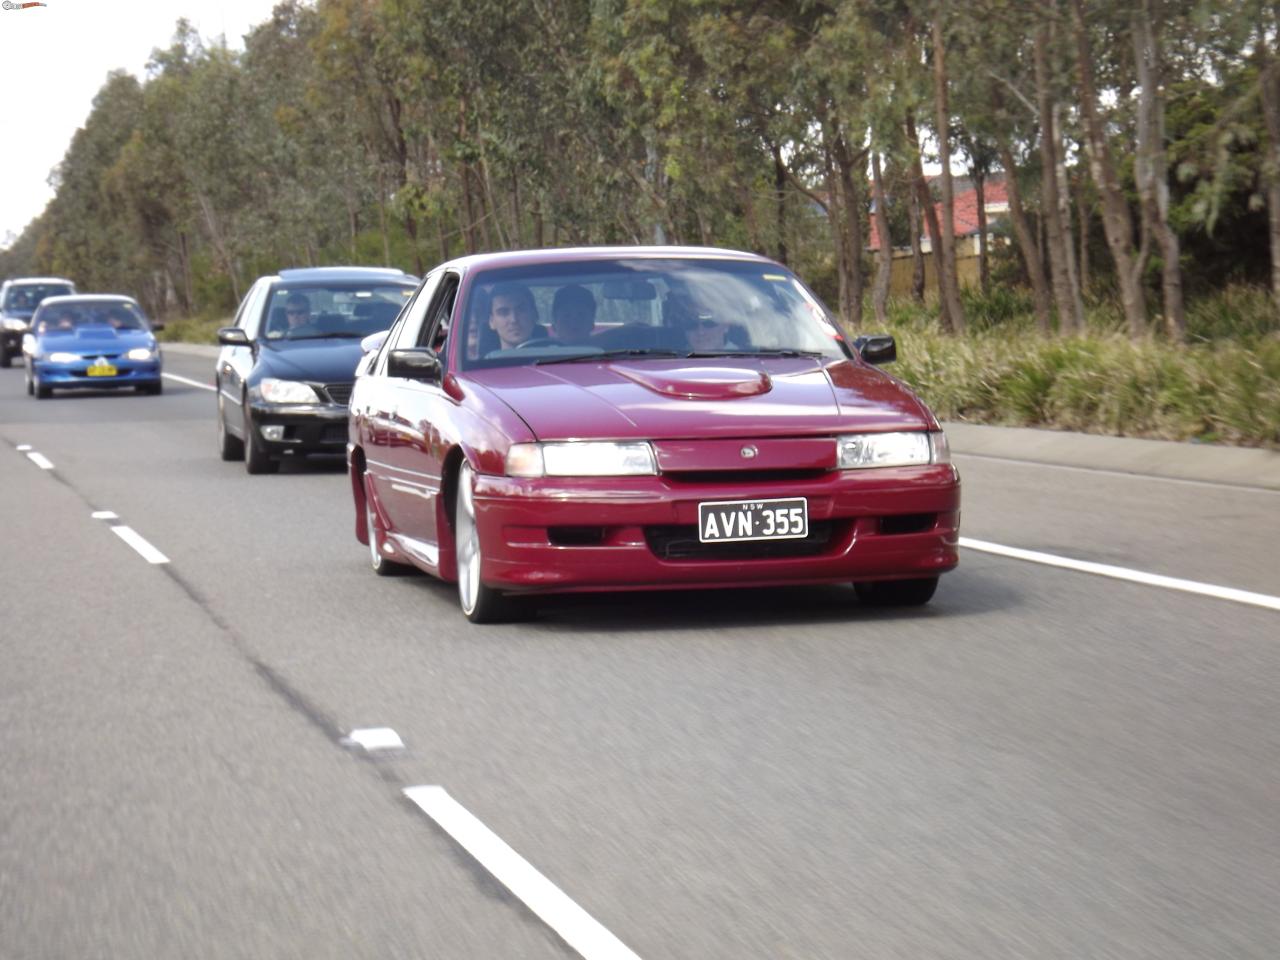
(595, 419)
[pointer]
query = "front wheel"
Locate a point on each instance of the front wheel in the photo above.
(230, 447)
(480, 603)
(897, 593)
(4, 357)
(256, 458)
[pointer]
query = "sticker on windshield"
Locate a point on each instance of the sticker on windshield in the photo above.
(773, 276)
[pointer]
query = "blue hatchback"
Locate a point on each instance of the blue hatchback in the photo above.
(91, 341)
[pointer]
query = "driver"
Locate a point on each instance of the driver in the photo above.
(513, 314)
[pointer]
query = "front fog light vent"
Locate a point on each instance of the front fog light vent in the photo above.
(272, 431)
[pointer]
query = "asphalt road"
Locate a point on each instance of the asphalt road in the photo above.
(1041, 763)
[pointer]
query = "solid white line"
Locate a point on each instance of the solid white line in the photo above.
(1122, 573)
(544, 898)
(1128, 474)
(135, 540)
(40, 460)
(190, 383)
(103, 515)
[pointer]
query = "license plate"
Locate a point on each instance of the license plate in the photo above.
(753, 520)
(101, 370)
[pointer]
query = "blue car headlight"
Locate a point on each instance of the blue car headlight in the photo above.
(61, 356)
(141, 353)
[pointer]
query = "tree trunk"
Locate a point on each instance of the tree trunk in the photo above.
(980, 195)
(839, 240)
(884, 249)
(1082, 215)
(1152, 161)
(1064, 212)
(1027, 246)
(949, 282)
(780, 201)
(851, 191)
(917, 256)
(1051, 212)
(925, 199)
(1269, 80)
(1115, 210)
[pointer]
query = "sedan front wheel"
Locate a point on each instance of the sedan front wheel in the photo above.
(897, 593)
(480, 603)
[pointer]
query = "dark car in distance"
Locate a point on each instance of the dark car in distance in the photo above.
(641, 418)
(19, 297)
(285, 370)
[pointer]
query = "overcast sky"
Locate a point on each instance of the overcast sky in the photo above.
(55, 58)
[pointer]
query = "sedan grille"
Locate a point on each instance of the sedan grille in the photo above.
(339, 392)
(682, 543)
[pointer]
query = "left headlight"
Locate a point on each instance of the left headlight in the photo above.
(286, 391)
(60, 356)
(860, 450)
(14, 325)
(581, 458)
(141, 353)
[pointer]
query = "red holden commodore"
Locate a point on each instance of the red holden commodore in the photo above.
(596, 419)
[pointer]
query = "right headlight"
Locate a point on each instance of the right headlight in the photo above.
(286, 391)
(856, 451)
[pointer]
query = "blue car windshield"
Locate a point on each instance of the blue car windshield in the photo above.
(337, 310)
(27, 296)
(572, 311)
(106, 315)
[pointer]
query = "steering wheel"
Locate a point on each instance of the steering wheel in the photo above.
(538, 342)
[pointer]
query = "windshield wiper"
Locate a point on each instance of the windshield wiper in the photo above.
(608, 355)
(338, 335)
(704, 354)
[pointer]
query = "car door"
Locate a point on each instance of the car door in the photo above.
(423, 416)
(400, 490)
(235, 362)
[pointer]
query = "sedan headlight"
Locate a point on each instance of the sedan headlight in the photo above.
(141, 353)
(14, 325)
(860, 450)
(286, 391)
(61, 356)
(581, 458)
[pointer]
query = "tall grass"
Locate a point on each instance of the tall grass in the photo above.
(1223, 385)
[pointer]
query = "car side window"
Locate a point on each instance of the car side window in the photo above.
(251, 320)
(404, 332)
(436, 330)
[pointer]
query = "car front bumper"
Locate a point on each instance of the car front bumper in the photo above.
(636, 533)
(312, 428)
(75, 374)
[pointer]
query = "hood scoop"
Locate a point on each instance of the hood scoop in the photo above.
(699, 383)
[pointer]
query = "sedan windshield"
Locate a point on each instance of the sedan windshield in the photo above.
(27, 296)
(104, 315)
(333, 310)
(642, 308)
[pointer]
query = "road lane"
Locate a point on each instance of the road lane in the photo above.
(1041, 763)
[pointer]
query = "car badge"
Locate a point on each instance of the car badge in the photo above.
(748, 452)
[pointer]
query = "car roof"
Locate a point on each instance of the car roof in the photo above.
(321, 274)
(513, 258)
(70, 299)
(17, 280)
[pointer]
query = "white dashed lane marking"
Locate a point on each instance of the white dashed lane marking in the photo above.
(574, 925)
(40, 460)
(1123, 573)
(139, 543)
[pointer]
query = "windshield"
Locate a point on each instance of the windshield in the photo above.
(604, 309)
(100, 315)
(322, 311)
(27, 296)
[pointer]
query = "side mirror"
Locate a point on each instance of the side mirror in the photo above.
(415, 363)
(157, 326)
(877, 348)
(233, 337)
(373, 341)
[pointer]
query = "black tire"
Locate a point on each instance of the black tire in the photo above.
(230, 447)
(43, 392)
(897, 593)
(378, 562)
(480, 602)
(5, 359)
(256, 458)
(31, 387)
(155, 389)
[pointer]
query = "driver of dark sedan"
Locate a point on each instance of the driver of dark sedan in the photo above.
(297, 314)
(573, 315)
(513, 314)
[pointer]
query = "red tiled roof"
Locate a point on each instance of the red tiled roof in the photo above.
(966, 212)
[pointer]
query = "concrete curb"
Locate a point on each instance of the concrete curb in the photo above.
(1203, 462)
